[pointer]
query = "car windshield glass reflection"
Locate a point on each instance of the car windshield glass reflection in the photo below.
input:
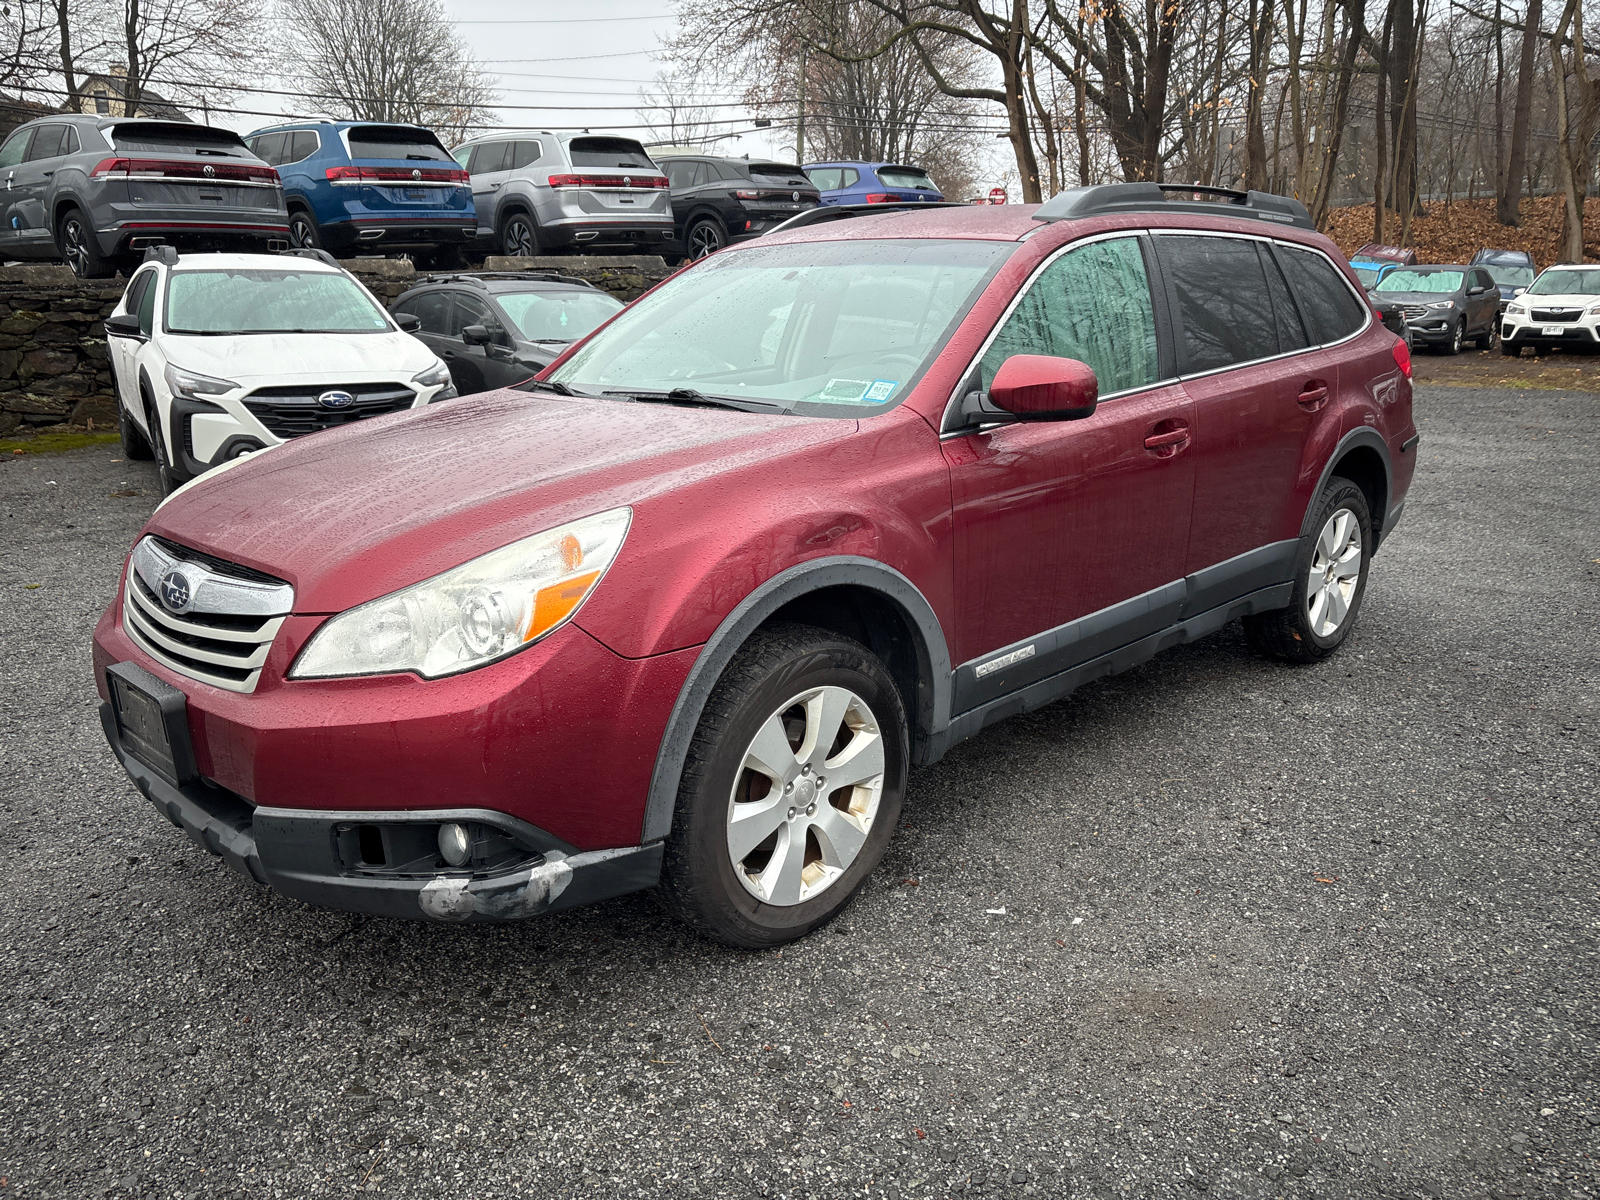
(824, 328)
(1566, 283)
(1367, 275)
(557, 316)
(218, 302)
(1443, 282)
(1511, 276)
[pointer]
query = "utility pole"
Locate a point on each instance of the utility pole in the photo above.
(800, 115)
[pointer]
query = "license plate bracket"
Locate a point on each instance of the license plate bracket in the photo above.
(152, 722)
(1552, 331)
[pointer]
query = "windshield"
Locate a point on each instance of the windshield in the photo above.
(1442, 282)
(557, 316)
(1511, 276)
(823, 328)
(256, 301)
(1367, 275)
(905, 177)
(1566, 283)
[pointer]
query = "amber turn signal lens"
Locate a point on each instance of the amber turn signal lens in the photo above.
(552, 604)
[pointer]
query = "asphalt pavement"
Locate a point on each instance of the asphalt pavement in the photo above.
(1218, 926)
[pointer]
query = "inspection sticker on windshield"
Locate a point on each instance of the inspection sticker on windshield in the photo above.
(848, 390)
(881, 389)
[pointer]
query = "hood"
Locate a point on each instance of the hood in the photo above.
(356, 512)
(302, 357)
(1558, 300)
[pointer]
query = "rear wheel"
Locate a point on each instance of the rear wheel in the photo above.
(303, 231)
(705, 237)
(791, 789)
(80, 249)
(519, 236)
(1485, 339)
(1330, 578)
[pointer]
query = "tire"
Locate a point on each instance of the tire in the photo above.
(519, 236)
(80, 249)
(704, 237)
(1457, 337)
(135, 446)
(1486, 339)
(790, 686)
(158, 445)
(303, 231)
(1302, 633)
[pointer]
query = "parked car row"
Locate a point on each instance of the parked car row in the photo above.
(1448, 306)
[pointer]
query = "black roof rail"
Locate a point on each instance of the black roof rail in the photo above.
(823, 213)
(1114, 198)
(479, 277)
(312, 252)
(161, 253)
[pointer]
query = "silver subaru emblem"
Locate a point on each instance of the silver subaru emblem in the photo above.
(208, 171)
(335, 399)
(416, 172)
(175, 590)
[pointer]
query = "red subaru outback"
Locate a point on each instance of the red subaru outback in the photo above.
(685, 614)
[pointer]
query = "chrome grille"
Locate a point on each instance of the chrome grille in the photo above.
(288, 412)
(1414, 312)
(224, 630)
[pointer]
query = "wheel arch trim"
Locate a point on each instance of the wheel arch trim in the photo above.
(931, 713)
(1363, 437)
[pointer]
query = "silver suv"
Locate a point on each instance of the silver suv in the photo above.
(541, 191)
(95, 191)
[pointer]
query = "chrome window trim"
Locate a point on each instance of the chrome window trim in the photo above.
(954, 402)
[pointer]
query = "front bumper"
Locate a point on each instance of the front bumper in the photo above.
(1526, 333)
(295, 852)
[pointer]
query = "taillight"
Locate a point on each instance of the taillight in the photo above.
(343, 174)
(881, 198)
(183, 172)
(609, 181)
(747, 195)
(1402, 357)
(109, 166)
(396, 175)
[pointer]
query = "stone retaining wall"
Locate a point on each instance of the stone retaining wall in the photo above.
(53, 366)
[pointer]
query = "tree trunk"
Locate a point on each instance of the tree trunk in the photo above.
(1255, 135)
(1508, 202)
(131, 86)
(69, 69)
(1355, 22)
(1380, 167)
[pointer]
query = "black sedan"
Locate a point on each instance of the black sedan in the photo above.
(1444, 306)
(716, 201)
(498, 329)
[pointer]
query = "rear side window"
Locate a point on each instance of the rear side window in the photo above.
(609, 152)
(301, 146)
(488, 157)
(1331, 309)
(395, 141)
(47, 142)
(175, 139)
(524, 154)
(1219, 292)
(1092, 304)
(432, 309)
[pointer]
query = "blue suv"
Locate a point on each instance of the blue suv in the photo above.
(361, 185)
(871, 183)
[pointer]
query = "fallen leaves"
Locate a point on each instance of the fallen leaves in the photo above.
(1454, 233)
(1325, 879)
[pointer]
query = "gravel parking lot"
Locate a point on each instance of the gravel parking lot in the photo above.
(1217, 926)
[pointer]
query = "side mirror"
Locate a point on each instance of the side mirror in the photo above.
(476, 335)
(124, 325)
(408, 322)
(1518, 291)
(1041, 387)
(1476, 290)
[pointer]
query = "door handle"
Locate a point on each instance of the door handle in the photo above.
(1313, 396)
(47, 174)
(1171, 438)
(494, 187)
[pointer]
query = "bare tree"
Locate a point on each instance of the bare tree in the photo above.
(407, 63)
(184, 47)
(1508, 202)
(1577, 123)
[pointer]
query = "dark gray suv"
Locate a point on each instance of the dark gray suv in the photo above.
(95, 191)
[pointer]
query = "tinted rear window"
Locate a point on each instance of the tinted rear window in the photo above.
(609, 152)
(176, 139)
(395, 141)
(905, 177)
(780, 174)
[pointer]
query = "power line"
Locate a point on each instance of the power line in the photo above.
(558, 20)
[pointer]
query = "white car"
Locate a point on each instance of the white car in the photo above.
(219, 355)
(1558, 310)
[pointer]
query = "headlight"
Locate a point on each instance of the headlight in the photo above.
(1594, 310)
(188, 385)
(1516, 310)
(433, 376)
(1443, 304)
(470, 616)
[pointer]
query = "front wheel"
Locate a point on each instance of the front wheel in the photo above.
(135, 446)
(158, 445)
(791, 789)
(1330, 578)
(1457, 336)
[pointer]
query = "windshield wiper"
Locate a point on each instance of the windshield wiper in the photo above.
(550, 385)
(690, 396)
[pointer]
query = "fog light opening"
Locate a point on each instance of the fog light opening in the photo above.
(455, 846)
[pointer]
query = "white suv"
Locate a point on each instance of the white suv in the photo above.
(220, 355)
(1559, 309)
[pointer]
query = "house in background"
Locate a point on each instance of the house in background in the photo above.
(14, 111)
(106, 95)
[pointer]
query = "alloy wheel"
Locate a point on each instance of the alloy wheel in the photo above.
(806, 796)
(520, 240)
(1335, 573)
(73, 247)
(705, 238)
(1456, 338)
(302, 233)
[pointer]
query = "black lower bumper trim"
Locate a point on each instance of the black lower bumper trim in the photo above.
(292, 851)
